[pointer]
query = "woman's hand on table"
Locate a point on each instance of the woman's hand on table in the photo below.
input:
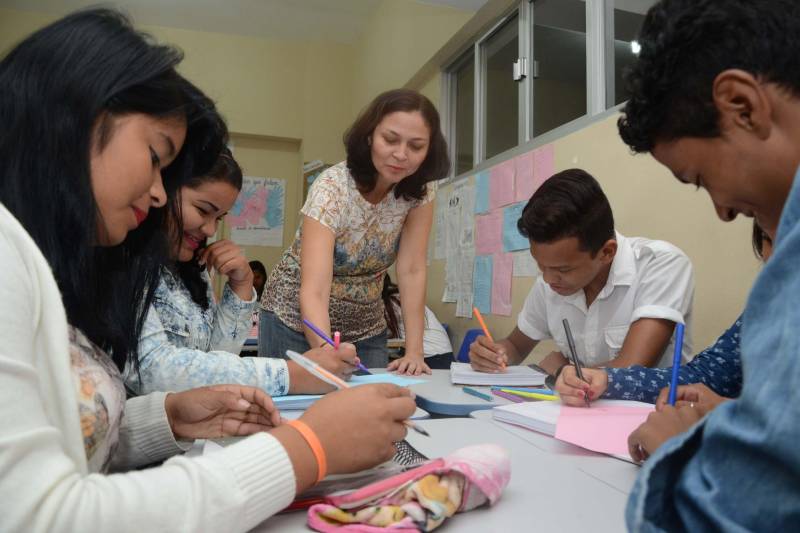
(412, 365)
(220, 411)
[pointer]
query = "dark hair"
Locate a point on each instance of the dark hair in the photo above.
(759, 238)
(390, 296)
(685, 44)
(224, 169)
(569, 204)
(258, 266)
(55, 87)
(359, 152)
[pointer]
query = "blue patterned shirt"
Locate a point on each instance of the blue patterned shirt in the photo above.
(738, 469)
(719, 367)
(183, 347)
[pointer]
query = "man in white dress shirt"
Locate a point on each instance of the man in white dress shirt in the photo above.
(621, 295)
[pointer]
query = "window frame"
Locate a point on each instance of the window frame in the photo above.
(600, 81)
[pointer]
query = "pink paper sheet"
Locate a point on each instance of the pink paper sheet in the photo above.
(501, 284)
(501, 184)
(600, 429)
(544, 164)
(489, 233)
(524, 181)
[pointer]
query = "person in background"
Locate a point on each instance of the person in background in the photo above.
(91, 114)
(715, 97)
(189, 339)
(621, 295)
(435, 342)
(360, 217)
(259, 277)
(714, 375)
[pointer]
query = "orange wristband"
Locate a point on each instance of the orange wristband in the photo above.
(315, 445)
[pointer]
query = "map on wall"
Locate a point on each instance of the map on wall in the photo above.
(256, 219)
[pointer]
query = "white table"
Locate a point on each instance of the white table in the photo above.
(615, 472)
(543, 493)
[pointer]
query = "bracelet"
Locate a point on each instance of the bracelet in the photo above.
(316, 446)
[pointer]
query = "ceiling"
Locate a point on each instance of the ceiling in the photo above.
(329, 20)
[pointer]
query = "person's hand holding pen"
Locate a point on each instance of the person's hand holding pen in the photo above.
(573, 390)
(696, 395)
(485, 355)
(339, 361)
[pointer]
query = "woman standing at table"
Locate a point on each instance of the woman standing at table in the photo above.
(360, 216)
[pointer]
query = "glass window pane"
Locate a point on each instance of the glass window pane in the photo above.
(502, 100)
(628, 18)
(465, 113)
(559, 70)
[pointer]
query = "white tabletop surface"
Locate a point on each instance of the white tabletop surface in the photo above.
(548, 491)
(616, 472)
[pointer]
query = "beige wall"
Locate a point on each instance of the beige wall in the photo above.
(400, 37)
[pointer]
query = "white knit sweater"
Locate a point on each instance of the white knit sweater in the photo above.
(45, 484)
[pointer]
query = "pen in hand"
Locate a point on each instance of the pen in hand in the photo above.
(575, 360)
(334, 343)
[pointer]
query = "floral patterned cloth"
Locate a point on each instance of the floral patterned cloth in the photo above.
(367, 240)
(420, 499)
(719, 367)
(101, 399)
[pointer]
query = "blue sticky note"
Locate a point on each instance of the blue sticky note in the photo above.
(394, 379)
(512, 240)
(482, 192)
(482, 284)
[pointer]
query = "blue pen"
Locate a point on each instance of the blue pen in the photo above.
(676, 363)
(327, 339)
(477, 394)
(526, 389)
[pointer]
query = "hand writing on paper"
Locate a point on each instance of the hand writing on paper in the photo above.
(659, 427)
(696, 395)
(487, 356)
(572, 389)
(220, 411)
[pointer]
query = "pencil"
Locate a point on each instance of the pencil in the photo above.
(676, 363)
(334, 343)
(578, 370)
(507, 396)
(477, 394)
(482, 323)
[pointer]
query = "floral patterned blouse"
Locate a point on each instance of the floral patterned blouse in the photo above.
(719, 367)
(367, 240)
(101, 399)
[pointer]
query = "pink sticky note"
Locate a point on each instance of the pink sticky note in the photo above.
(501, 284)
(600, 429)
(501, 184)
(544, 164)
(489, 233)
(524, 182)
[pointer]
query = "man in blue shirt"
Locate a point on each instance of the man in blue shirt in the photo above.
(715, 97)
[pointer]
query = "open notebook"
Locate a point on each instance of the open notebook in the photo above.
(462, 374)
(604, 427)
